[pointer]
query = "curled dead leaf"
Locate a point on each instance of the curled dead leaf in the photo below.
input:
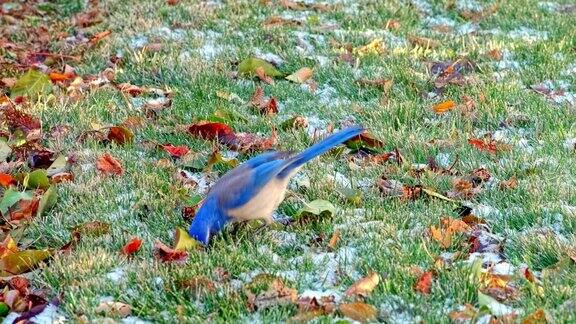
(364, 286)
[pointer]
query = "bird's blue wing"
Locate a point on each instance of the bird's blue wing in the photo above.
(235, 191)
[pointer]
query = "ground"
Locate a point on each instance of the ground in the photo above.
(505, 148)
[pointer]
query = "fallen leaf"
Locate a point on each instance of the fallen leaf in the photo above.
(539, 316)
(261, 74)
(167, 254)
(444, 106)
(60, 77)
(37, 179)
(199, 286)
(248, 142)
(250, 65)
(120, 135)
(183, 241)
(424, 283)
(99, 36)
(209, 130)
(334, 240)
(47, 201)
(360, 312)
(32, 84)
(22, 261)
(483, 145)
(273, 292)
(509, 184)
(176, 151)
(300, 76)
(6, 180)
(132, 246)
(93, 228)
(495, 307)
(296, 122)
(364, 286)
(11, 197)
(108, 165)
(114, 309)
(423, 42)
(375, 47)
(316, 209)
(384, 84)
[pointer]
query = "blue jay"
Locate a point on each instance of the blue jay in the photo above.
(254, 189)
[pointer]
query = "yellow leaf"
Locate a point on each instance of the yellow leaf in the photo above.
(23, 261)
(301, 75)
(183, 241)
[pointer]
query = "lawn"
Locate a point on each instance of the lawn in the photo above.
(457, 205)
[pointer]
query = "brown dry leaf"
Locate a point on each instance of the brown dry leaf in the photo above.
(423, 42)
(248, 142)
(114, 309)
(199, 286)
(263, 76)
(276, 294)
(360, 312)
(495, 54)
(444, 106)
(166, 254)
(479, 14)
(384, 84)
(509, 184)
(108, 165)
(424, 283)
(301, 76)
(277, 21)
(464, 316)
(392, 24)
(364, 286)
(451, 72)
(448, 227)
(463, 188)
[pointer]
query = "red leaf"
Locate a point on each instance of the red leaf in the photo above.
(529, 275)
(132, 247)
(108, 165)
(6, 179)
(209, 130)
(424, 283)
(176, 151)
(482, 145)
(167, 254)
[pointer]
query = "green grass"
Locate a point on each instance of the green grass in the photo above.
(144, 202)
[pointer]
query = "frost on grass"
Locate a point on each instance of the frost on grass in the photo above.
(528, 35)
(395, 310)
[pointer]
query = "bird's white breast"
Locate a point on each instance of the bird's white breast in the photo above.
(263, 204)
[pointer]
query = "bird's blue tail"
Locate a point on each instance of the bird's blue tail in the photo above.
(319, 148)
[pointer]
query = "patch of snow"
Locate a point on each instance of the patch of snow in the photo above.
(283, 238)
(323, 293)
(134, 320)
(485, 211)
(116, 275)
(269, 57)
(528, 35)
(138, 41)
(443, 160)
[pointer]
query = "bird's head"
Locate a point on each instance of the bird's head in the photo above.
(209, 220)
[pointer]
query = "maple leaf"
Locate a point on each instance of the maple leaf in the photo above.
(167, 254)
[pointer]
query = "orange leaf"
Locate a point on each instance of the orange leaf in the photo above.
(6, 179)
(96, 38)
(59, 77)
(364, 286)
(358, 311)
(132, 247)
(263, 76)
(108, 165)
(424, 283)
(444, 106)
